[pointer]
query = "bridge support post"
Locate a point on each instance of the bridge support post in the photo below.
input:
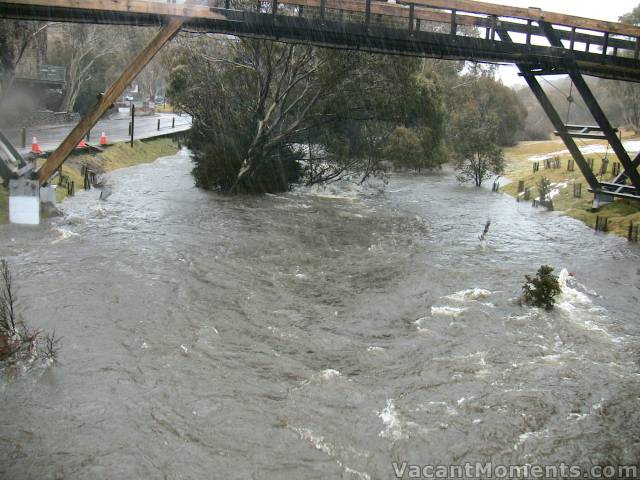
(603, 192)
(600, 199)
(57, 158)
(24, 201)
(609, 133)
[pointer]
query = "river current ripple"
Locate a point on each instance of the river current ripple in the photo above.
(315, 335)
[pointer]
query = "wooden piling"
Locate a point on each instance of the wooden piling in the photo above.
(577, 190)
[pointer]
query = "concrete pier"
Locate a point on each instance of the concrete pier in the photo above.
(24, 202)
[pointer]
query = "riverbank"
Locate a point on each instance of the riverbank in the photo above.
(519, 167)
(119, 155)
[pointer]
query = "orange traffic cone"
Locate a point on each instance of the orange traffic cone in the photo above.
(35, 148)
(103, 138)
(82, 144)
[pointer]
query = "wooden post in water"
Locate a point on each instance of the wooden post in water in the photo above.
(577, 190)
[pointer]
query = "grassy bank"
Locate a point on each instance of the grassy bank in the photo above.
(119, 155)
(519, 167)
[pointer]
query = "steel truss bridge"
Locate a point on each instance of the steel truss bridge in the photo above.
(539, 43)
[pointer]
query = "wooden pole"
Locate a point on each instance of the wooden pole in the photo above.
(133, 121)
(58, 157)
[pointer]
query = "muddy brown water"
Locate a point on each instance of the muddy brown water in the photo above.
(315, 335)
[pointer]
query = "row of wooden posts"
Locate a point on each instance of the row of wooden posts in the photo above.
(89, 180)
(602, 225)
(554, 163)
(549, 163)
(89, 177)
(66, 182)
(526, 191)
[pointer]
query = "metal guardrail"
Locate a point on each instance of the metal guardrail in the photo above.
(45, 73)
(12, 165)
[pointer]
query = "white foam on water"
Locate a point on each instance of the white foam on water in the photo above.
(63, 234)
(329, 374)
(448, 311)
(469, 294)
(579, 308)
(528, 435)
(347, 188)
(323, 445)
(392, 423)
(420, 321)
(373, 348)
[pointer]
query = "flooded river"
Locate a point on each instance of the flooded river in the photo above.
(315, 336)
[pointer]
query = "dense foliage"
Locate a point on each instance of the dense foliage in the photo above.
(268, 114)
(486, 118)
(541, 291)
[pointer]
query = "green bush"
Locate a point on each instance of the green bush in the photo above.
(541, 290)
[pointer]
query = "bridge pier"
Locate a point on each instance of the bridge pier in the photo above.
(24, 201)
(600, 199)
(27, 201)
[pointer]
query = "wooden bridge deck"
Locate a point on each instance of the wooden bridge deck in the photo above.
(430, 28)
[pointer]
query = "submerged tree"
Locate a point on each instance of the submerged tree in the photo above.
(541, 291)
(477, 132)
(17, 341)
(268, 114)
(82, 48)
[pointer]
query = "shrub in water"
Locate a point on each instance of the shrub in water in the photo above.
(20, 345)
(541, 290)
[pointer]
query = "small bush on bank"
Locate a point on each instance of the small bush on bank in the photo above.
(541, 291)
(20, 344)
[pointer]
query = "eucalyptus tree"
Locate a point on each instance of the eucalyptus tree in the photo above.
(268, 114)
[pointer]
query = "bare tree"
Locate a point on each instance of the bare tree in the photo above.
(17, 341)
(15, 39)
(7, 301)
(268, 115)
(287, 88)
(628, 95)
(83, 46)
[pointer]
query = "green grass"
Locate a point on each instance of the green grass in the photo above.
(519, 167)
(119, 155)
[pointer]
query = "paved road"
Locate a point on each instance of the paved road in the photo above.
(117, 130)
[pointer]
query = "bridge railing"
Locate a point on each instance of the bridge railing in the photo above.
(462, 18)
